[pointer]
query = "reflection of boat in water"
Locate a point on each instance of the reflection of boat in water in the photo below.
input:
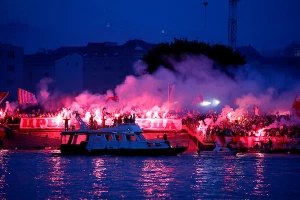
(219, 151)
(122, 139)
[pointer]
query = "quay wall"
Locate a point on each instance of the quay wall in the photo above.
(242, 142)
(25, 141)
(40, 132)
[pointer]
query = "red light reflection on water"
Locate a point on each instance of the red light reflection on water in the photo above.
(200, 177)
(56, 172)
(99, 173)
(57, 177)
(232, 176)
(4, 169)
(156, 179)
(259, 187)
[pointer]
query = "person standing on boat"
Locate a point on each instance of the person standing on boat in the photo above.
(166, 140)
(66, 124)
(133, 118)
(92, 122)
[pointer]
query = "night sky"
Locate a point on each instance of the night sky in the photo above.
(265, 24)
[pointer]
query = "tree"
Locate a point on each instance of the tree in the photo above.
(222, 55)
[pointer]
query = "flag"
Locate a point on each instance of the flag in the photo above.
(171, 93)
(3, 95)
(234, 101)
(198, 99)
(296, 105)
(114, 98)
(26, 97)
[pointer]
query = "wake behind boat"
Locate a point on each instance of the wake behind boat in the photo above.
(122, 139)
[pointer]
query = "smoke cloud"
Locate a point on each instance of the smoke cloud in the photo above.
(195, 75)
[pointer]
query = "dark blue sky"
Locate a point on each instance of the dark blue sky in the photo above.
(265, 24)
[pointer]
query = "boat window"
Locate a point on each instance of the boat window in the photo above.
(64, 139)
(99, 135)
(119, 138)
(130, 138)
(108, 138)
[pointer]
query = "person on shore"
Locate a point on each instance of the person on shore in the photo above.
(270, 144)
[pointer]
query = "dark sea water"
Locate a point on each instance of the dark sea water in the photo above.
(42, 175)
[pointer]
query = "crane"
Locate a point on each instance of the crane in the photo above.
(232, 23)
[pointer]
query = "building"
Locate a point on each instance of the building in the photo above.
(64, 70)
(11, 69)
(108, 66)
(97, 67)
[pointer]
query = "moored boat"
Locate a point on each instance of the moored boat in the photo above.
(219, 151)
(122, 139)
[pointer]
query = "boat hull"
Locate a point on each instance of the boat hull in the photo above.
(80, 150)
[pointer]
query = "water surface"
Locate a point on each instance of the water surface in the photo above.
(43, 175)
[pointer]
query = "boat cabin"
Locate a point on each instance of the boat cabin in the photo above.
(122, 139)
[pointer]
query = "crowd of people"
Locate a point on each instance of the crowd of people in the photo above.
(250, 125)
(226, 123)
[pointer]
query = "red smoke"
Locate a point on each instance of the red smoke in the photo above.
(194, 74)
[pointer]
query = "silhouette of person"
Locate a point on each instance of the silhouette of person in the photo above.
(92, 122)
(66, 124)
(166, 140)
(270, 144)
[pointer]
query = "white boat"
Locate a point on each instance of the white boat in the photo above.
(122, 139)
(219, 151)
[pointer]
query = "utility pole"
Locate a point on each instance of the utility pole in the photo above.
(232, 23)
(205, 4)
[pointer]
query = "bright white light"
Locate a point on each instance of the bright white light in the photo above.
(205, 103)
(216, 102)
